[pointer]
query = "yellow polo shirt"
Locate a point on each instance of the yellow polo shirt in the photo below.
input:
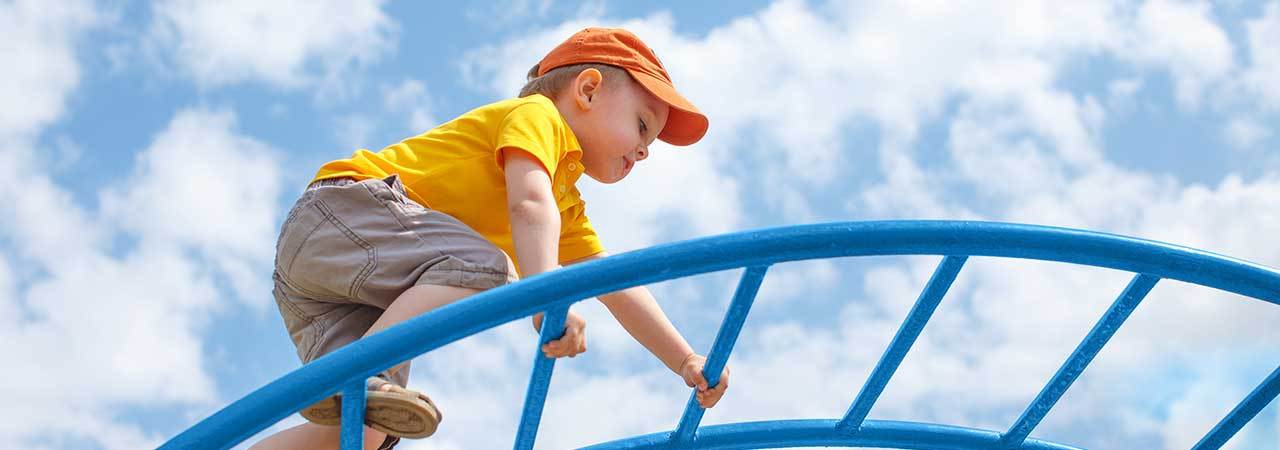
(456, 169)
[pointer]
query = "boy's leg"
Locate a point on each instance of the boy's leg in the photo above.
(417, 300)
(409, 304)
(346, 244)
(341, 325)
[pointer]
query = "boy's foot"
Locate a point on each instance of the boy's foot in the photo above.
(390, 409)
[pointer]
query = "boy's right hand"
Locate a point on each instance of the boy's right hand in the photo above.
(691, 371)
(572, 343)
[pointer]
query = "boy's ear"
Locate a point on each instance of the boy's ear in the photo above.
(585, 87)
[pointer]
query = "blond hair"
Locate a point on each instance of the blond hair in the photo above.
(555, 80)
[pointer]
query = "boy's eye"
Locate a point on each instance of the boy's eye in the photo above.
(643, 128)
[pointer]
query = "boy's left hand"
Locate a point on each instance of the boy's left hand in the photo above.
(574, 340)
(691, 371)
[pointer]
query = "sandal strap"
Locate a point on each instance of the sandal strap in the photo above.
(376, 382)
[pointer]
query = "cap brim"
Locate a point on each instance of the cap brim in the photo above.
(685, 124)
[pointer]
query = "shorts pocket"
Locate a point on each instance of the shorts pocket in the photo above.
(319, 254)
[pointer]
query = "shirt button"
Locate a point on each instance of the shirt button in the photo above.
(573, 166)
(562, 189)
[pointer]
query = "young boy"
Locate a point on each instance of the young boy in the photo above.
(382, 237)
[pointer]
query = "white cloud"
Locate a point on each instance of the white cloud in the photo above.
(1202, 404)
(39, 55)
(135, 318)
(200, 184)
(411, 99)
(1263, 75)
(128, 321)
(1120, 95)
(784, 281)
(1181, 37)
(1244, 132)
(653, 207)
(8, 290)
(75, 305)
(906, 191)
(507, 12)
(284, 43)
(353, 131)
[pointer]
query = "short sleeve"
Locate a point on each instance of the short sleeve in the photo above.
(535, 129)
(578, 238)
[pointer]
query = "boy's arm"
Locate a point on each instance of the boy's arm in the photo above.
(535, 228)
(535, 220)
(642, 317)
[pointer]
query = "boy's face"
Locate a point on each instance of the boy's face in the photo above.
(615, 125)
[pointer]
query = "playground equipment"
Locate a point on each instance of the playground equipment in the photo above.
(347, 368)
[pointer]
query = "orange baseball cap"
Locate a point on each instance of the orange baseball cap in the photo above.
(618, 47)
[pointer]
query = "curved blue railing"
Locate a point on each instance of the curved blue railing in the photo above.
(554, 292)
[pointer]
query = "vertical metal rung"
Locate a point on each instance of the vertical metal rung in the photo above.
(748, 287)
(353, 405)
(910, 330)
(1242, 413)
(1079, 359)
(539, 381)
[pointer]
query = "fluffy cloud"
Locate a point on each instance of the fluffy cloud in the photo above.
(286, 43)
(128, 315)
(1182, 38)
(1263, 77)
(75, 302)
(1244, 132)
(200, 184)
(40, 55)
(411, 99)
(505, 13)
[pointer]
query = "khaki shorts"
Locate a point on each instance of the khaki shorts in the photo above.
(348, 249)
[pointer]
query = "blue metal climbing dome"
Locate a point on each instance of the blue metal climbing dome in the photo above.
(347, 368)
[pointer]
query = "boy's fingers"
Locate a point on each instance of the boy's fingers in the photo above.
(568, 345)
(552, 349)
(702, 382)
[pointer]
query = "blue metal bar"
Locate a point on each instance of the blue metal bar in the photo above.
(933, 292)
(1106, 327)
(353, 405)
(540, 380)
(748, 287)
(312, 382)
(823, 433)
(1242, 413)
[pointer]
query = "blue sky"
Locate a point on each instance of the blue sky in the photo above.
(150, 151)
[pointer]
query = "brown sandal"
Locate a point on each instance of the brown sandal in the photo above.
(398, 412)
